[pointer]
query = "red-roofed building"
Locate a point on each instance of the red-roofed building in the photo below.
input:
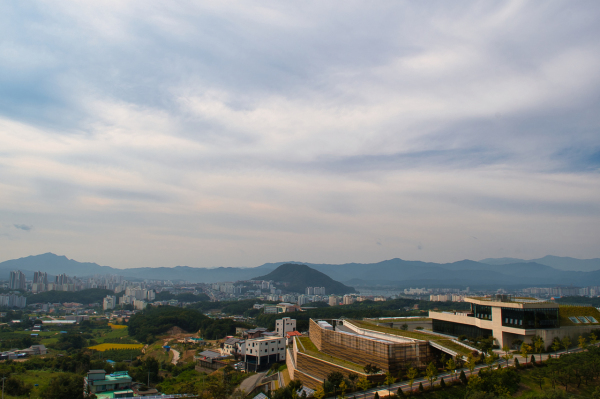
(289, 335)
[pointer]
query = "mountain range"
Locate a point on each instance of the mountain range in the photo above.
(488, 273)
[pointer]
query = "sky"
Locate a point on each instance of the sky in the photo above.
(152, 133)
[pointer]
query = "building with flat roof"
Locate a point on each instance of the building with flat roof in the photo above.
(284, 326)
(508, 319)
(97, 381)
(260, 353)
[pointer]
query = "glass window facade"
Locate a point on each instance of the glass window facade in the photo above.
(456, 329)
(530, 318)
(482, 311)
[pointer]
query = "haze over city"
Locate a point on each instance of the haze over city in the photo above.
(145, 133)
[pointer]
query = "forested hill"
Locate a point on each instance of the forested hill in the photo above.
(153, 321)
(91, 295)
(299, 277)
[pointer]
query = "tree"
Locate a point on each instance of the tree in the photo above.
(451, 367)
(490, 358)
(471, 363)
(556, 345)
(364, 384)
(319, 393)
(389, 380)
(517, 365)
(539, 345)
(582, 342)
(16, 387)
(432, 373)
(538, 376)
(343, 389)
(525, 350)
(66, 385)
(463, 377)
(593, 339)
(404, 327)
(566, 343)
(507, 355)
(335, 378)
(376, 396)
(371, 369)
(421, 389)
(411, 374)
(442, 383)
(353, 377)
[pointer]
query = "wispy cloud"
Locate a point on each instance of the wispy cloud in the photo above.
(233, 133)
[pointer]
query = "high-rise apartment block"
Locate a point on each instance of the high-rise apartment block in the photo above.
(17, 280)
(315, 290)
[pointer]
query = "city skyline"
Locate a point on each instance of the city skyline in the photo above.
(144, 134)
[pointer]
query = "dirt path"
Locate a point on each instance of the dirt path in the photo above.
(175, 356)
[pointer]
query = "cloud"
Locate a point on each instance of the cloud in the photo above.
(23, 227)
(225, 133)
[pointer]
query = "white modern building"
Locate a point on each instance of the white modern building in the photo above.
(260, 353)
(284, 326)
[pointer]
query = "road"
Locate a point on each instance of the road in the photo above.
(250, 383)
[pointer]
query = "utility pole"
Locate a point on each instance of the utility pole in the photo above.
(3, 378)
(148, 380)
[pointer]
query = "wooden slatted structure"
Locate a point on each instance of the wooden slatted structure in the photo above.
(387, 355)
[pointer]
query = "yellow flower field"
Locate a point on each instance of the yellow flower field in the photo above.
(116, 326)
(107, 347)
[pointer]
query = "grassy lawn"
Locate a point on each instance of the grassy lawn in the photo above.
(42, 378)
(413, 334)
(112, 334)
(286, 377)
(311, 349)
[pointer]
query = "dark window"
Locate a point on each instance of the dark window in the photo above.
(456, 329)
(530, 318)
(482, 311)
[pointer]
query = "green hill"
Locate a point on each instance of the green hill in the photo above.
(298, 277)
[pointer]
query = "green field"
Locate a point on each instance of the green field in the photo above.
(120, 334)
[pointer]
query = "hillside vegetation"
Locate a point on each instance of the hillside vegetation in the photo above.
(298, 277)
(154, 321)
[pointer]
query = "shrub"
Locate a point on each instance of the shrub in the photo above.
(463, 377)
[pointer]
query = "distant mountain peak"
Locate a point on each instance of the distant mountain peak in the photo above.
(300, 276)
